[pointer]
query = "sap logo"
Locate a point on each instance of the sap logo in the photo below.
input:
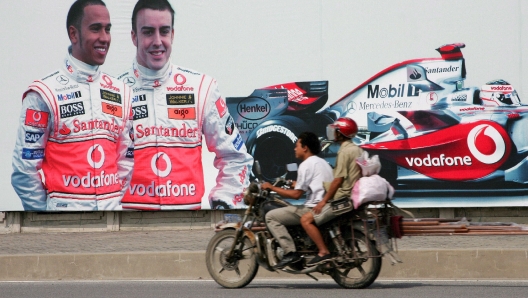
(140, 112)
(73, 95)
(33, 137)
(392, 91)
(71, 109)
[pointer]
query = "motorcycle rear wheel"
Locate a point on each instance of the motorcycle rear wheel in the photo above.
(236, 272)
(362, 275)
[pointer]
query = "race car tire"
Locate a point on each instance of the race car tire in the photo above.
(272, 143)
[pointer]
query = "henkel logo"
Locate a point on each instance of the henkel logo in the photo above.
(253, 108)
(36, 118)
(73, 95)
(156, 166)
(108, 84)
(96, 156)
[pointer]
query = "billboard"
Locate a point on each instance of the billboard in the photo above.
(245, 46)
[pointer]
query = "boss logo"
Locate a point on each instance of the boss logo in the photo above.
(140, 112)
(71, 109)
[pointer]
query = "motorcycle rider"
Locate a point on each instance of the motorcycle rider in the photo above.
(312, 173)
(346, 173)
(174, 107)
(73, 149)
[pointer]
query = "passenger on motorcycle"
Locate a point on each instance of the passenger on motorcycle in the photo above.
(311, 174)
(346, 173)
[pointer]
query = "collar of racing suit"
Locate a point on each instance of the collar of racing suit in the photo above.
(81, 71)
(150, 78)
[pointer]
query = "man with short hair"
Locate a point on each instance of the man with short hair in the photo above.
(73, 149)
(312, 173)
(346, 173)
(174, 108)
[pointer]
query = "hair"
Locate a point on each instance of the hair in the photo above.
(310, 140)
(76, 12)
(160, 5)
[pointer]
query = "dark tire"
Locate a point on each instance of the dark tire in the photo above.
(237, 272)
(272, 144)
(361, 274)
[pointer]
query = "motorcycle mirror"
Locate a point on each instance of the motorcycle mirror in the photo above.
(257, 170)
(292, 167)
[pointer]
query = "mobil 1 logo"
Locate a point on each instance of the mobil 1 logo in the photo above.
(71, 109)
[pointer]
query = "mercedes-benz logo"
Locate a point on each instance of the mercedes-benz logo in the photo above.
(63, 79)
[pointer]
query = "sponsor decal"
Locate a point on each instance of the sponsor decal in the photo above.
(73, 95)
(277, 128)
(32, 153)
(130, 153)
(140, 112)
(238, 198)
(296, 95)
(497, 88)
(136, 72)
(163, 190)
(155, 163)
(36, 118)
(442, 69)
(181, 132)
(61, 205)
(94, 124)
(112, 109)
(246, 125)
(49, 76)
(180, 88)
(182, 113)
(391, 91)
(95, 156)
(70, 87)
(397, 104)
(179, 79)
(253, 108)
(33, 137)
(110, 96)
(472, 109)
(136, 98)
(91, 180)
(89, 79)
(138, 89)
(156, 84)
(64, 130)
(459, 97)
(180, 99)
(68, 66)
(130, 81)
(243, 175)
(108, 83)
(229, 125)
(238, 142)
(63, 80)
(432, 98)
(487, 154)
(71, 109)
(120, 77)
(188, 71)
(415, 73)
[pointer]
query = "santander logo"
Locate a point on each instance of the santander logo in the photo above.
(492, 147)
(154, 164)
(90, 156)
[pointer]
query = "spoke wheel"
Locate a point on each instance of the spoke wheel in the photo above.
(236, 271)
(363, 272)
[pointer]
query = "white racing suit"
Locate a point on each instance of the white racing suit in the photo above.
(73, 149)
(173, 109)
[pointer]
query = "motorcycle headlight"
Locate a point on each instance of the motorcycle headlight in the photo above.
(249, 194)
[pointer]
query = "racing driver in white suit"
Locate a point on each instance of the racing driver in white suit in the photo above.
(174, 108)
(73, 149)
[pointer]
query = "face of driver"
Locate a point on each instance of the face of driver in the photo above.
(153, 38)
(91, 42)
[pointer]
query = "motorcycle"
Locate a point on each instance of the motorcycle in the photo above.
(357, 241)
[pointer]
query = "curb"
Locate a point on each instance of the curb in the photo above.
(190, 265)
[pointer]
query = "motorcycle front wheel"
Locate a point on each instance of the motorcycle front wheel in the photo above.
(364, 271)
(236, 271)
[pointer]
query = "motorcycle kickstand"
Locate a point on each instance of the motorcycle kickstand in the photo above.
(310, 275)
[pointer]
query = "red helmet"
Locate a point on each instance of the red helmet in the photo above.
(344, 126)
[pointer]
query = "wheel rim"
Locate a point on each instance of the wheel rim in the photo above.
(236, 268)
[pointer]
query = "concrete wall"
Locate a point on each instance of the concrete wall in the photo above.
(35, 222)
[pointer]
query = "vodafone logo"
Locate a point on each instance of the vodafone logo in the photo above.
(154, 164)
(481, 137)
(107, 80)
(179, 79)
(90, 156)
(37, 116)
